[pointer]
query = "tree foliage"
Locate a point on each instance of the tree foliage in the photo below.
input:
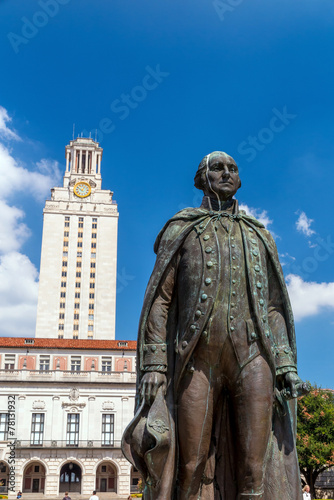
(315, 433)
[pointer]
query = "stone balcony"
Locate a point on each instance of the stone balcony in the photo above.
(66, 376)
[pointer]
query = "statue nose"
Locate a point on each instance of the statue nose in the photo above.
(226, 172)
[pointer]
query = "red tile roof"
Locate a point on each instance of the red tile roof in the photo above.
(68, 343)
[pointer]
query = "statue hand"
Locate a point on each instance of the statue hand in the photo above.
(150, 384)
(294, 386)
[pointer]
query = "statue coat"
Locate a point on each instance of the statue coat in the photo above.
(149, 442)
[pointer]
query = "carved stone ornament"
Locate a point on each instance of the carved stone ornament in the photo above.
(38, 405)
(92, 184)
(74, 394)
(108, 405)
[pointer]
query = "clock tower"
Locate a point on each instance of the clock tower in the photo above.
(77, 287)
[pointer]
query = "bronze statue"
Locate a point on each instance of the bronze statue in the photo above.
(217, 377)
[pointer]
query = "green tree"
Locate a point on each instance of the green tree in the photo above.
(315, 434)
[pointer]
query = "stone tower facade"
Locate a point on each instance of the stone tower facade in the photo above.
(77, 288)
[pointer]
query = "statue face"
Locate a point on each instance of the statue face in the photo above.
(222, 177)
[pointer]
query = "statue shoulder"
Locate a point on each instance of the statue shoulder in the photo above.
(175, 225)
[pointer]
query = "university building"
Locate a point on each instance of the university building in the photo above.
(68, 393)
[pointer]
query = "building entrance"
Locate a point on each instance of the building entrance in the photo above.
(70, 478)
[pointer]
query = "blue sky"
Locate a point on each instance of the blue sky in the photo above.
(252, 78)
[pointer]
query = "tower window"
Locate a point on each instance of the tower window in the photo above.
(79, 264)
(78, 284)
(80, 219)
(79, 244)
(64, 273)
(63, 284)
(61, 315)
(75, 327)
(62, 305)
(90, 328)
(91, 317)
(92, 264)
(67, 224)
(91, 306)
(65, 254)
(65, 243)
(66, 234)
(92, 275)
(79, 254)
(76, 305)
(67, 218)
(92, 295)
(80, 234)
(63, 295)
(94, 219)
(93, 245)
(94, 225)
(80, 224)
(91, 285)
(64, 263)
(93, 255)
(61, 326)
(77, 295)
(78, 274)
(76, 316)
(93, 235)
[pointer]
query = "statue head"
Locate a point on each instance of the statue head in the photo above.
(218, 176)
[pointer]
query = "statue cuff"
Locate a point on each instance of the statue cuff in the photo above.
(155, 354)
(285, 369)
(284, 356)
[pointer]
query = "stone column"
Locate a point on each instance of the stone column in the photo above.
(67, 160)
(80, 162)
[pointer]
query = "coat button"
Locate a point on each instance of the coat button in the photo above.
(153, 348)
(257, 268)
(266, 333)
(253, 335)
(233, 257)
(209, 263)
(261, 302)
(208, 281)
(192, 328)
(205, 333)
(250, 230)
(232, 304)
(184, 344)
(201, 226)
(206, 237)
(231, 318)
(259, 285)
(232, 328)
(233, 293)
(204, 296)
(208, 250)
(233, 281)
(163, 348)
(233, 245)
(255, 252)
(198, 313)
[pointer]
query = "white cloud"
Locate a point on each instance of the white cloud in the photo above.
(15, 178)
(303, 224)
(260, 215)
(18, 275)
(6, 132)
(18, 295)
(309, 298)
(13, 232)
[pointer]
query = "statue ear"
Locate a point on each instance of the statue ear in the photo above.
(239, 183)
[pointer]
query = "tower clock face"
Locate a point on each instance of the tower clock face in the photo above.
(82, 189)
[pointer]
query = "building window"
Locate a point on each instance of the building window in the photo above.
(76, 305)
(3, 426)
(91, 285)
(93, 264)
(72, 435)
(44, 363)
(61, 315)
(64, 263)
(106, 364)
(66, 234)
(67, 224)
(64, 274)
(78, 274)
(90, 328)
(94, 235)
(37, 429)
(65, 254)
(62, 306)
(92, 275)
(63, 295)
(91, 317)
(80, 219)
(79, 244)
(63, 284)
(94, 219)
(91, 295)
(107, 429)
(9, 361)
(80, 224)
(77, 295)
(76, 316)
(78, 264)
(60, 336)
(75, 327)
(93, 245)
(78, 284)
(93, 255)
(67, 218)
(65, 243)
(75, 363)
(94, 225)
(80, 234)
(91, 306)
(79, 254)
(61, 326)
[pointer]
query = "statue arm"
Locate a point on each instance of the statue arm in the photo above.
(155, 346)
